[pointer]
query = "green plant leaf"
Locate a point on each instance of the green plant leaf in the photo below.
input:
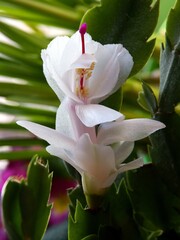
(31, 205)
(165, 152)
(130, 23)
(55, 12)
(121, 214)
(162, 157)
(164, 11)
(91, 237)
(85, 222)
(11, 209)
(170, 63)
(156, 209)
(147, 99)
(30, 41)
(75, 195)
(114, 101)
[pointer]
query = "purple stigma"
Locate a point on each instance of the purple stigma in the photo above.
(83, 28)
(82, 31)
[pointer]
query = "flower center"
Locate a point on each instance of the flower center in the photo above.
(83, 74)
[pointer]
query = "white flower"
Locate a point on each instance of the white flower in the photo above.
(86, 72)
(99, 161)
(82, 73)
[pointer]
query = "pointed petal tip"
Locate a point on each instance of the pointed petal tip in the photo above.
(21, 123)
(137, 163)
(157, 125)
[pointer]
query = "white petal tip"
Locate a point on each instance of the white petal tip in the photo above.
(21, 123)
(94, 114)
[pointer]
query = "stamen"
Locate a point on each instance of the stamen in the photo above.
(82, 80)
(82, 31)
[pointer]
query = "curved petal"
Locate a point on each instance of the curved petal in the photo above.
(54, 52)
(131, 165)
(58, 60)
(51, 78)
(127, 130)
(62, 85)
(113, 65)
(61, 153)
(84, 61)
(53, 63)
(73, 49)
(94, 114)
(96, 160)
(122, 151)
(63, 56)
(52, 136)
(64, 122)
(125, 64)
(95, 186)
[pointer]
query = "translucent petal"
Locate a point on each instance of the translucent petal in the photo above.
(94, 114)
(122, 151)
(51, 77)
(61, 153)
(131, 165)
(84, 61)
(50, 135)
(113, 65)
(127, 130)
(64, 121)
(125, 64)
(96, 160)
(54, 53)
(73, 49)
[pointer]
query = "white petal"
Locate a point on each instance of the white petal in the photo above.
(58, 58)
(131, 165)
(62, 85)
(95, 186)
(61, 153)
(127, 130)
(122, 151)
(94, 114)
(125, 63)
(73, 49)
(50, 135)
(53, 63)
(84, 61)
(55, 52)
(64, 121)
(113, 66)
(96, 160)
(51, 78)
